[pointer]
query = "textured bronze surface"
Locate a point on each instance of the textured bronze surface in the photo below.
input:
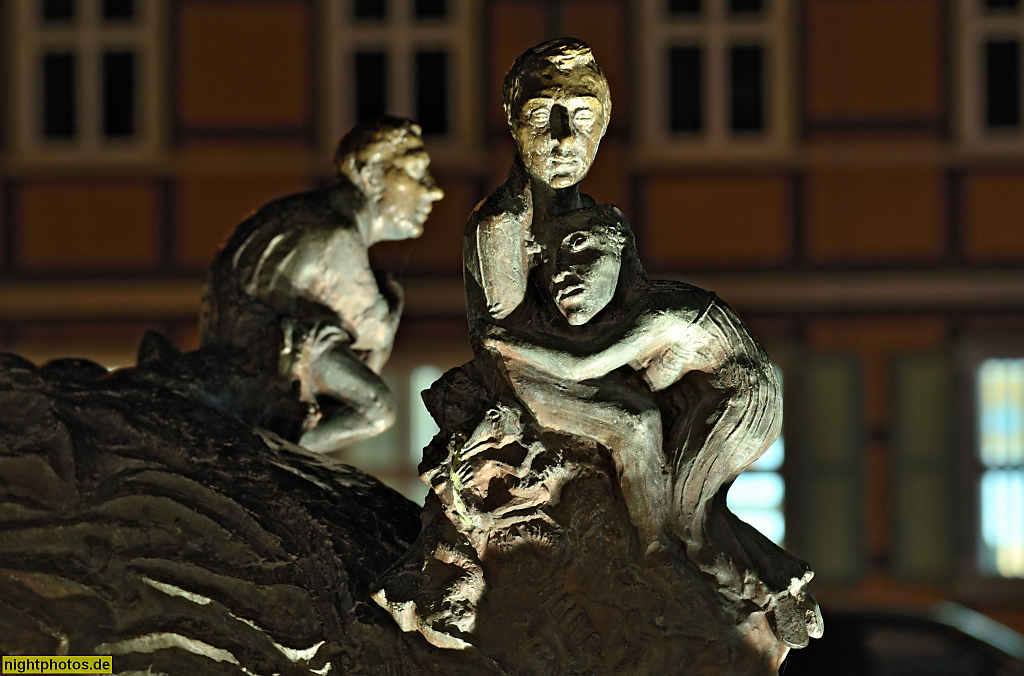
(598, 431)
(577, 519)
(293, 289)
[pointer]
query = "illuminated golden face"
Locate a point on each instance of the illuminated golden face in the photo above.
(558, 126)
(408, 192)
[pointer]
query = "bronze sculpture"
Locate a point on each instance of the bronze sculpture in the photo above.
(575, 346)
(577, 521)
(558, 105)
(294, 288)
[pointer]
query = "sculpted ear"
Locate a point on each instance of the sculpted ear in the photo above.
(371, 180)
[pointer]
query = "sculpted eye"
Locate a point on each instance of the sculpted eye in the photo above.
(584, 117)
(416, 168)
(539, 117)
(577, 241)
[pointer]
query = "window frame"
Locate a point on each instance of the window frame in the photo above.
(972, 582)
(400, 35)
(88, 37)
(715, 31)
(973, 27)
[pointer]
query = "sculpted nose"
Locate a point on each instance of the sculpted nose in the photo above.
(434, 192)
(560, 129)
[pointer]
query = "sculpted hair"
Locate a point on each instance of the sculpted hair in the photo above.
(605, 220)
(565, 55)
(372, 143)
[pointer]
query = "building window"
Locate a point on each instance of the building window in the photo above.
(410, 58)
(1000, 420)
(91, 89)
(990, 34)
(369, 9)
(394, 456)
(714, 78)
(370, 91)
(758, 495)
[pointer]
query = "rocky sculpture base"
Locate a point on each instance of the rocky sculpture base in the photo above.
(572, 593)
(528, 554)
(138, 522)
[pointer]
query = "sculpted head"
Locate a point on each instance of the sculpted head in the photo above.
(558, 106)
(582, 260)
(386, 159)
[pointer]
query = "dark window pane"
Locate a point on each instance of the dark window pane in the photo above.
(58, 10)
(1002, 4)
(371, 85)
(745, 6)
(118, 10)
(1002, 84)
(432, 92)
(431, 9)
(59, 95)
(685, 101)
(687, 7)
(118, 94)
(746, 77)
(370, 9)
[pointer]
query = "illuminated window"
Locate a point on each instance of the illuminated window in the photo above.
(758, 495)
(990, 34)
(714, 78)
(393, 456)
(410, 58)
(1001, 452)
(92, 86)
(422, 427)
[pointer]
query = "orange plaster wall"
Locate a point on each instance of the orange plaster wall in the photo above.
(516, 25)
(439, 249)
(110, 225)
(606, 181)
(876, 214)
(706, 221)
(244, 64)
(874, 59)
(209, 208)
(602, 25)
(993, 204)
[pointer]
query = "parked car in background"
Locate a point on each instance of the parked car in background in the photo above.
(949, 640)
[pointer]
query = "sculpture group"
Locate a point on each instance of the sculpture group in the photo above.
(576, 521)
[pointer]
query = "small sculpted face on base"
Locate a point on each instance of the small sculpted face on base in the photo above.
(582, 270)
(408, 192)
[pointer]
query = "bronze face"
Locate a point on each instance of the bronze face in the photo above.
(583, 272)
(408, 193)
(559, 125)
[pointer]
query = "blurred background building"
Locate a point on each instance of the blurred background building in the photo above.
(848, 174)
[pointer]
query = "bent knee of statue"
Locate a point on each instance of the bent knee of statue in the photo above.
(339, 418)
